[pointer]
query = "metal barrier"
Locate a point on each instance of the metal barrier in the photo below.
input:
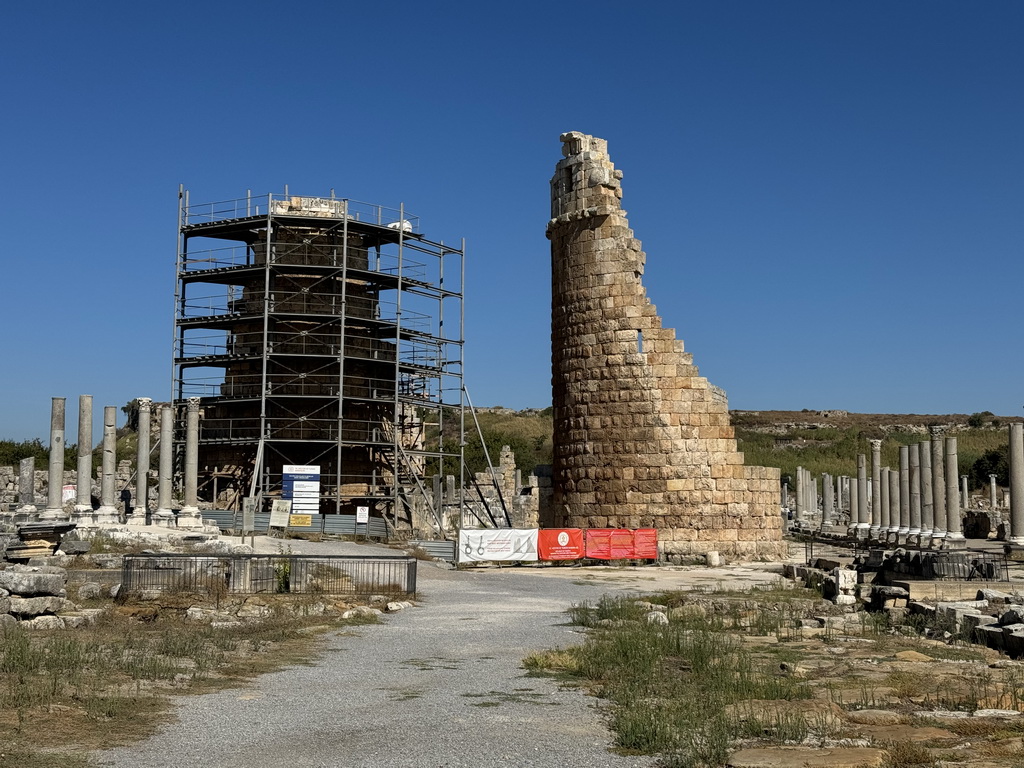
(253, 574)
(439, 549)
(339, 525)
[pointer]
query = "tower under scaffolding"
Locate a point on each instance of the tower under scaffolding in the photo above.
(320, 332)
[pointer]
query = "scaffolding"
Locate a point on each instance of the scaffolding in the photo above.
(320, 331)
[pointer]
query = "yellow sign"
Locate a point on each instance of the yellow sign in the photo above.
(300, 521)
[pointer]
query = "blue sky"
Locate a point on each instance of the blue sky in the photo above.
(830, 194)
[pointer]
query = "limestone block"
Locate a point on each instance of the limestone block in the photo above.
(33, 583)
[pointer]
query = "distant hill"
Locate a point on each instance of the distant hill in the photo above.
(821, 441)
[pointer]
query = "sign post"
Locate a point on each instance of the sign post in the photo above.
(363, 519)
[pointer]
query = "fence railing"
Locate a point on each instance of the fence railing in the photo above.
(254, 574)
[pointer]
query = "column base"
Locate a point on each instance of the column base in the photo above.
(107, 516)
(954, 541)
(52, 514)
(164, 518)
(190, 517)
(1014, 551)
(83, 515)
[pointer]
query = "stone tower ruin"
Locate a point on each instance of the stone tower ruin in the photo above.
(640, 438)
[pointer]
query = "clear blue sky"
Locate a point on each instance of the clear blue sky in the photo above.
(830, 194)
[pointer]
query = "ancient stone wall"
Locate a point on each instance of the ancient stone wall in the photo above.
(640, 438)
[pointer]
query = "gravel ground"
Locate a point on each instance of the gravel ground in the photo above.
(439, 684)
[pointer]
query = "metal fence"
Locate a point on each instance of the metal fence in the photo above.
(253, 574)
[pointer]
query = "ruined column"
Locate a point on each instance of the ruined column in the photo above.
(164, 515)
(954, 535)
(142, 462)
(883, 503)
(27, 486)
(914, 537)
(812, 484)
(828, 500)
(639, 434)
(965, 494)
(993, 490)
(189, 516)
(800, 491)
(927, 504)
(904, 530)
(938, 489)
(107, 513)
(83, 514)
(894, 506)
(863, 519)
(55, 486)
(1015, 535)
(854, 528)
(876, 488)
(785, 495)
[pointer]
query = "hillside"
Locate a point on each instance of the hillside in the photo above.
(821, 441)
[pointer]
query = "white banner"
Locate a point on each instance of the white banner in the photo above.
(504, 544)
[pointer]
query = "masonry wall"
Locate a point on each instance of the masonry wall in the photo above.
(640, 438)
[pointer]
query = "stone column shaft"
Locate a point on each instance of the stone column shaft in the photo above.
(927, 498)
(189, 515)
(894, 504)
(953, 524)
(854, 527)
(164, 514)
(142, 461)
(883, 502)
(84, 481)
(27, 485)
(904, 490)
(107, 513)
(1016, 533)
(828, 500)
(863, 518)
(876, 487)
(915, 491)
(993, 491)
(965, 494)
(938, 489)
(55, 486)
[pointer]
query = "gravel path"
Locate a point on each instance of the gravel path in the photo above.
(435, 685)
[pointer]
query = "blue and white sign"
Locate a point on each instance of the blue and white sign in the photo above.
(301, 484)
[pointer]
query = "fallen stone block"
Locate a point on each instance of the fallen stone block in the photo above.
(27, 607)
(990, 635)
(33, 583)
(43, 622)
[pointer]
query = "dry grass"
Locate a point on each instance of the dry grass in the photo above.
(111, 683)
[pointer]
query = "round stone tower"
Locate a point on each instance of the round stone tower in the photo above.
(640, 438)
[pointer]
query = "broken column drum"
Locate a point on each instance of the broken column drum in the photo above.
(27, 485)
(640, 438)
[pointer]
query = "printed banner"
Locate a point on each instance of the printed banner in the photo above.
(560, 544)
(503, 544)
(645, 543)
(622, 544)
(599, 543)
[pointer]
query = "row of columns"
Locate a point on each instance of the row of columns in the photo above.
(919, 503)
(188, 516)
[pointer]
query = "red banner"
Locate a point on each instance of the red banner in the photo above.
(645, 543)
(599, 543)
(560, 544)
(622, 544)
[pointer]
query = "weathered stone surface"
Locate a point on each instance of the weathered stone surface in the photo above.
(90, 590)
(7, 622)
(656, 617)
(360, 611)
(913, 656)
(807, 757)
(29, 584)
(397, 605)
(43, 622)
(38, 606)
(875, 717)
(641, 440)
